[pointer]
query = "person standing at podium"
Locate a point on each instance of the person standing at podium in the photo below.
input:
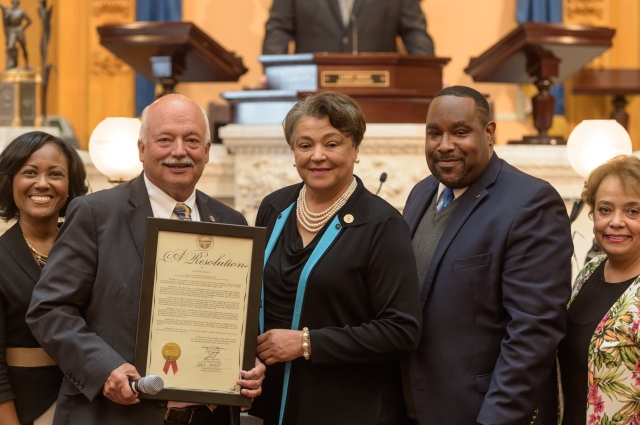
(346, 26)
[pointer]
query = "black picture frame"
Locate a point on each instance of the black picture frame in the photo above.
(258, 236)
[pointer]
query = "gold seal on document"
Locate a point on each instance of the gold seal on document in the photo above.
(348, 218)
(171, 351)
(204, 242)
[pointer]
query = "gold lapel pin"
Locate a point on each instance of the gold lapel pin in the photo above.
(212, 218)
(348, 218)
(477, 196)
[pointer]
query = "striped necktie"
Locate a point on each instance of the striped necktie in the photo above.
(447, 198)
(183, 211)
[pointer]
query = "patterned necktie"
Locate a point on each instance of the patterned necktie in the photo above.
(447, 198)
(183, 211)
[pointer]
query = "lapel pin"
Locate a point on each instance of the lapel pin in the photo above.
(477, 196)
(212, 218)
(348, 218)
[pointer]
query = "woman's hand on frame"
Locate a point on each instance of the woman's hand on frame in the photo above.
(280, 345)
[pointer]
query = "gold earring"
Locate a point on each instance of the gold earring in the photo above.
(357, 161)
(294, 164)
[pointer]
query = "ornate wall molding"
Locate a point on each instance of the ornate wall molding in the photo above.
(111, 6)
(576, 9)
(103, 62)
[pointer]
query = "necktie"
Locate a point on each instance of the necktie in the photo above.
(447, 198)
(182, 211)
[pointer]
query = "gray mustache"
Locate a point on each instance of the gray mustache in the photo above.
(176, 161)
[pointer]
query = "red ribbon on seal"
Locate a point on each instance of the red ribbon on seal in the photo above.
(174, 367)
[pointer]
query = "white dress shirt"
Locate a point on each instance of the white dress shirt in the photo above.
(162, 204)
(440, 198)
(456, 192)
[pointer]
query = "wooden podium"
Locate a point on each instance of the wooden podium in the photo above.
(170, 52)
(542, 54)
(389, 87)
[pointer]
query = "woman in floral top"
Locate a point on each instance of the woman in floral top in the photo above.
(600, 356)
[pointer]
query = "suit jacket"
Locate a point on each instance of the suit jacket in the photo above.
(84, 309)
(494, 302)
(316, 26)
(362, 309)
(33, 389)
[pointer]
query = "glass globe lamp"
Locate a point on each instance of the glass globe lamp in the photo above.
(113, 148)
(593, 142)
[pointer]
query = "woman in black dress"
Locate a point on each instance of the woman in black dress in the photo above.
(600, 355)
(341, 299)
(39, 175)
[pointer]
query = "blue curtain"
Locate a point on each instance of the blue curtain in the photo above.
(543, 11)
(153, 10)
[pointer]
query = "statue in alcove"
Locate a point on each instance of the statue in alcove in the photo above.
(13, 18)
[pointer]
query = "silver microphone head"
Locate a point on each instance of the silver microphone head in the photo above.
(151, 384)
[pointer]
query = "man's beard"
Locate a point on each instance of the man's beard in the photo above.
(453, 182)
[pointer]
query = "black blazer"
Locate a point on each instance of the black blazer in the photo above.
(362, 309)
(316, 26)
(493, 302)
(84, 309)
(33, 389)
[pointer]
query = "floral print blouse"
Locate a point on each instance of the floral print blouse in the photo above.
(614, 357)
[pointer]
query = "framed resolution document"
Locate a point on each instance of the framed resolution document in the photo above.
(199, 307)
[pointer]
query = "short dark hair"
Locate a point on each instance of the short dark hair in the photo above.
(16, 153)
(625, 167)
(343, 112)
(482, 106)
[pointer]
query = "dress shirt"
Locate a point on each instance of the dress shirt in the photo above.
(162, 204)
(346, 6)
(456, 193)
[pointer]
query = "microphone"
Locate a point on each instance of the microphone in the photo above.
(383, 178)
(354, 33)
(150, 384)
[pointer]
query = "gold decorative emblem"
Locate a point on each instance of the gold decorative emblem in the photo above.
(204, 242)
(171, 351)
(348, 218)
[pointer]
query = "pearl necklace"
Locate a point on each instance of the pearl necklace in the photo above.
(41, 259)
(313, 222)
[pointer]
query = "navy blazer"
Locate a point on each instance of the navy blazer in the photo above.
(33, 389)
(84, 309)
(494, 302)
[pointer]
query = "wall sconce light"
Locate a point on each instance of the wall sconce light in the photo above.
(113, 149)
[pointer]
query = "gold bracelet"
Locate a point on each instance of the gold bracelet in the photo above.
(305, 343)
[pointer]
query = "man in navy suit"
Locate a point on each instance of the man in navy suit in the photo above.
(493, 248)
